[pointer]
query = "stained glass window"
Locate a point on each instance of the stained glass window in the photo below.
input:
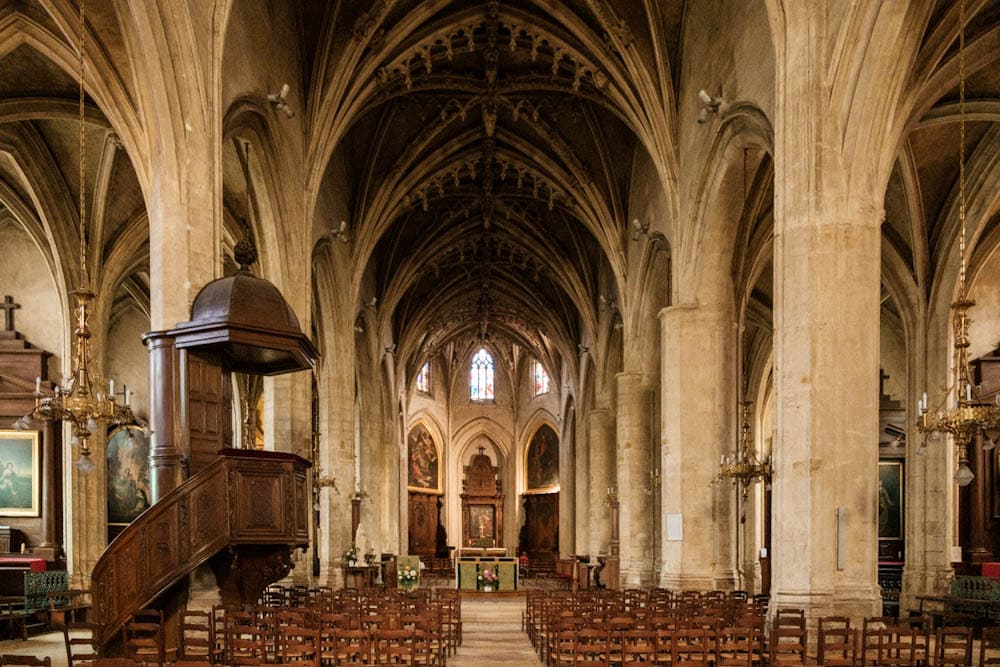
(541, 379)
(424, 379)
(481, 376)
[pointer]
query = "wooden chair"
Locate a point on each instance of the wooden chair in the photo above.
(638, 646)
(788, 645)
(953, 647)
(897, 647)
(144, 637)
(735, 647)
(352, 645)
(298, 645)
(790, 618)
(25, 661)
(989, 648)
(872, 630)
(197, 636)
(561, 646)
(244, 640)
(691, 645)
(82, 648)
(664, 644)
(922, 626)
(837, 644)
(393, 647)
(591, 648)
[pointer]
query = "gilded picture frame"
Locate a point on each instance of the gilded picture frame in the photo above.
(20, 473)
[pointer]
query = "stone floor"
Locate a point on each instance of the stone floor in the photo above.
(491, 636)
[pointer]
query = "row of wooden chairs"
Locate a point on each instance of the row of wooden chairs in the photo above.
(665, 629)
(400, 628)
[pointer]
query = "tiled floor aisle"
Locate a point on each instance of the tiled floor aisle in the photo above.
(491, 636)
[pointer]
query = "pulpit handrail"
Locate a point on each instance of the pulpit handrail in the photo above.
(189, 525)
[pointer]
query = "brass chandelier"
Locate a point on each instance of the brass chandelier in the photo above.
(969, 414)
(83, 400)
(745, 467)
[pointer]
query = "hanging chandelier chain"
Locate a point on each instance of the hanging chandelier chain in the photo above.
(961, 149)
(970, 416)
(82, 401)
(85, 282)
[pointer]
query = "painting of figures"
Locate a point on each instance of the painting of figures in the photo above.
(422, 459)
(543, 459)
(128, 474)
(19, 473)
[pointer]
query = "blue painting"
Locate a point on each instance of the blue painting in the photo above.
(128, 474)
(19, 473)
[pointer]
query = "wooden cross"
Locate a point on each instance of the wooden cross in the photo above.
(8, 306)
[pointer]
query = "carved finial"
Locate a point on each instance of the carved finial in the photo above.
(245, 253)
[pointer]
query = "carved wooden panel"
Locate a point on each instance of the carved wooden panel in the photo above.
(245, 498)
(161, 543)
(541, 517)
(207, 413)
(302, 506)
(423, 523)
(259, 504)
(207, 506)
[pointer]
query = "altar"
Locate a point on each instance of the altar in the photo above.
(469, 568)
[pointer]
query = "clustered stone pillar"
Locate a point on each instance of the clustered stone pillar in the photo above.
(826, 458)
(698, 405)
(634, 464)
(827, 288)
(601, 431)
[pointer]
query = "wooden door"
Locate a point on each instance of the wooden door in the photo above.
(423, 520)
(541, 517)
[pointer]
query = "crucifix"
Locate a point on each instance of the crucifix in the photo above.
(8, 306)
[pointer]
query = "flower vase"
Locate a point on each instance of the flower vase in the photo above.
(488, 588)
(352, 563)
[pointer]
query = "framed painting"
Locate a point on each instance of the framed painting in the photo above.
(128, 474)
(890, 500)
(20, 473)
(481, 530)
(422, 460)
(542, 462)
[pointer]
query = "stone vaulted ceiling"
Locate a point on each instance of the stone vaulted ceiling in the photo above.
(491, 161)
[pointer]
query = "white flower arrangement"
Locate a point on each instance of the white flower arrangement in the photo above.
(407, 576)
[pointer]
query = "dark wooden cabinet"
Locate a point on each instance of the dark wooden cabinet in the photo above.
(424, 517)
(541, 518)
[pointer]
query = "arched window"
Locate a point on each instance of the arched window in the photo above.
(424, 379)
(541, 379)
(481, 376)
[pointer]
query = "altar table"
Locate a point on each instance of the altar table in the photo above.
(468, 568)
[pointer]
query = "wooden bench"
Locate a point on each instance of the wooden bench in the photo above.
(972, 597)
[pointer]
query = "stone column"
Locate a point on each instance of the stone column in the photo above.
(582, 508)
(826, 379)
(165, 410)
(827, 220)
(567, 492)
(634, 464)
(602, 476)
(698, 405)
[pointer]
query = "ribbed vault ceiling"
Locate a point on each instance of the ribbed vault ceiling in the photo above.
(490, 166)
